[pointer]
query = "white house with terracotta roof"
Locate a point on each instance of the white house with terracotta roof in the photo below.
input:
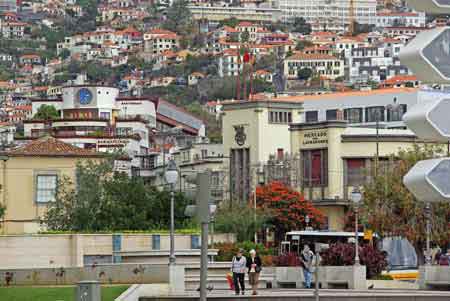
(263, 75)
(194, 78)
(230, 63)
(13, 29)
(251, 28)
(157, 41)
(321, 64)
(30, 59)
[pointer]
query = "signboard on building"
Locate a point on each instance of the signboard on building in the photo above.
(314, 138)
(113, 142)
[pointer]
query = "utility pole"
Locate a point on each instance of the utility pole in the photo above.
(202, 210)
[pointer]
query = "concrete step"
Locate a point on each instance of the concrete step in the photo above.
(220, 284)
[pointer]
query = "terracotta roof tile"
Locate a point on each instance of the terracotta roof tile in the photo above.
(51, 147)
(401, 79)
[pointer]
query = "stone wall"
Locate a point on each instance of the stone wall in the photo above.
(77, 250)
(107, 274)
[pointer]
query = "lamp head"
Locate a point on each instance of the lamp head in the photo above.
(356, 196)
(171, 173)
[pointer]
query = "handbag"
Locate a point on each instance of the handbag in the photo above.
(258, 269)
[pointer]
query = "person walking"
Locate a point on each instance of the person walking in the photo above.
(238, 267)
(306, 259)
(254, 266)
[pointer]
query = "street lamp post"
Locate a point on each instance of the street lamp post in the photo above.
(171, 175)
(356, 198)
(259, 181)
(428, 258)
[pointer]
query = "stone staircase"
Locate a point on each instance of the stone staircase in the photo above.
(217, 276)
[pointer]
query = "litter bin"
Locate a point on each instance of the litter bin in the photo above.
(88, 291)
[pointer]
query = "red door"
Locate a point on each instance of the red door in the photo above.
(316, 168)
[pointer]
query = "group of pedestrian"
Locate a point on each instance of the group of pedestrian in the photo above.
(240, 266)
(252, 266)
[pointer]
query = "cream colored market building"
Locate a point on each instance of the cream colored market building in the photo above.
(333, 157)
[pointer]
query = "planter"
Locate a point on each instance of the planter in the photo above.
(392, 284)
(353, 277)
(288, 276)
(434, 276)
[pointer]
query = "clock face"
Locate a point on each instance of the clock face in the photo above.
(84, 96)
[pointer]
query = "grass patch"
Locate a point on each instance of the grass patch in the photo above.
(109, 293)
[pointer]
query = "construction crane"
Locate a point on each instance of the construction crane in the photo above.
(351, 17)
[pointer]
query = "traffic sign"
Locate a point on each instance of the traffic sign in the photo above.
(429, 180)
(430, 6)
(428, 56)
(430, 120)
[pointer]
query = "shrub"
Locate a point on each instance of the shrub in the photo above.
(268, 260)
(228, 250)
(288, 260)
(383, 277)
(340, 254)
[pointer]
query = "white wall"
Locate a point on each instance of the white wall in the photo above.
(104, 98)
(145, 108)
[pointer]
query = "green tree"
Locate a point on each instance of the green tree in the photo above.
(391, 210)
(239, 219)
(52, 36)
(303, 44)
(2, 211)
(305, 74)
(231, 22)
(65, 53)
(97, 72)
(179, 18)
(104, 200)
(46, 112)
(299, 25)
(5, 73)
(245, 37)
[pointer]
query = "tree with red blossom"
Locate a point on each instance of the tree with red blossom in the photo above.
(288, 208)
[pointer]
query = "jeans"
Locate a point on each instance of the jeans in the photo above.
(238, 279)
(308, 278)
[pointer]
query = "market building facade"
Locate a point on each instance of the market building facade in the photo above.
(331, 157)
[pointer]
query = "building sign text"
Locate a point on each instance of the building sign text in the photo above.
(316, 137)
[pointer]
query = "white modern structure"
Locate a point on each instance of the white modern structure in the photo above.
(95, 117)
(414, 19)
(332, 15)
(219, 13)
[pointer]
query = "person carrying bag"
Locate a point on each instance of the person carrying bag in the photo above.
(238, 267)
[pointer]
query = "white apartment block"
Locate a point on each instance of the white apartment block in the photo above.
(229, 63)
(321, 65)
(220, 13)
(408, 19)
(333, 15)
(12, 30)
(157, 41)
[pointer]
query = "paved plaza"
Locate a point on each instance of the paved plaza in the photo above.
(324, 295)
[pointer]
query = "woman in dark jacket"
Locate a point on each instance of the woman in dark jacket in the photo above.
(254, 269)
